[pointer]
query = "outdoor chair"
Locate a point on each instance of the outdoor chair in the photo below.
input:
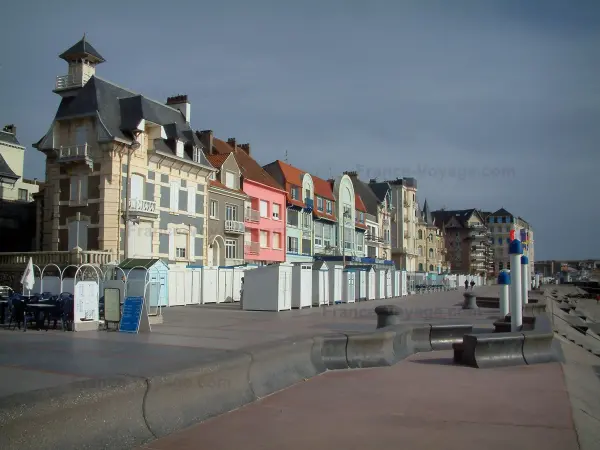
(19, 313)
(67, 315)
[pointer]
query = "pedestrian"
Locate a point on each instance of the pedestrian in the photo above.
(472, 284)
(466, 285)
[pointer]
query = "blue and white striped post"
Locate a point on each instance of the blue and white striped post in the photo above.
(516, 285)
(504, 282)
(525, 279)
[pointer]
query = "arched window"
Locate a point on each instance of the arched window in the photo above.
(431, 267)
(430, 237)
(420, 267)
(420, 234)
(420, 250)
(430, 253)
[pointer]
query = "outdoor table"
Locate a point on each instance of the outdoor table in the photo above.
(41, 311)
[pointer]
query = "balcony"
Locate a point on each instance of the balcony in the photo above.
(309, 204)
(234, 226)
(252, 215)
(75, 154)
(251, 247)
(71, 81)
(140, 207)
(373, 238)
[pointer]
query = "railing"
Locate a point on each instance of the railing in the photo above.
(70, 81)
(252, 247)
(75, 256)
(141, 206)
(309, 203)
(234, 226)
(252, 215)
(74, 152)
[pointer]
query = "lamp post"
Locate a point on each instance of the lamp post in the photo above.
(135, 145)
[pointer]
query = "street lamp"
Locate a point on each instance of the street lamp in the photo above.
(135, 145)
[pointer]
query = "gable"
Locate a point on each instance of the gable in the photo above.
(454, 223)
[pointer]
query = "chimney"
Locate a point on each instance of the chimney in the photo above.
(246, 148)
(373, 181)
(231, 141)
(352, 173)
(181, 103)
(206, 137)
(10, 129)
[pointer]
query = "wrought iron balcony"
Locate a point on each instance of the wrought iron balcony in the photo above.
(373, 238)
(309, 204)
(234, 226)
(252, 215)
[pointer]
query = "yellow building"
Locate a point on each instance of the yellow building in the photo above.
(431, 250)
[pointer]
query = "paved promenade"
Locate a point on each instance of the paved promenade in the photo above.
(423, 402)
(192, 335)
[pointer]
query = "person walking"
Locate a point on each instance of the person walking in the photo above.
(466, 285)
(472, 284)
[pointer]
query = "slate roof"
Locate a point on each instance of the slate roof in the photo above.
(427, 217)
(9, 138)
(380, 189)
(118, 111)
(502, 213)
(81, 49)
(442, 217)
(369, 199)
(249, 167)
(6, 171)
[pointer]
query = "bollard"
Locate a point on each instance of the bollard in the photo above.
(470, 301)
(537, 280)
(525, 279)
(504, 282)
(516, 312)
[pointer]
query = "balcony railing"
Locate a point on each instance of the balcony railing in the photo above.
(142, 207)
(71, 81)
(372, 238)
(75, 153)
(251, 247)
(75, 256)
(252, 215)
(234, 226)
(309, 203)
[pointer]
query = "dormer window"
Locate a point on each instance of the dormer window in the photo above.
(179, 150)
(197, 154)
(294, 193)
(213, 176)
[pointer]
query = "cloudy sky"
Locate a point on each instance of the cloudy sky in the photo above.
(488, 104)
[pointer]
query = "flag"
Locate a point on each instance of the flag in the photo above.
(28, 278)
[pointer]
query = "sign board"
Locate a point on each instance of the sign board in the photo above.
(86, 301)
(112, 305)
(135, 316)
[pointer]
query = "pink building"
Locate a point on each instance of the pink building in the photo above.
(265, 212)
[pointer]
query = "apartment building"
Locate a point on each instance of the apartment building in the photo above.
(431, 247)
(377, 200)
(125, 173)
(501, 223)
(351, 217)
(226, 209)
(300, 202)
(467, 239)
(404, 223)
(265, 213)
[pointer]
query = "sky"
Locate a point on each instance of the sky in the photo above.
(487, 103)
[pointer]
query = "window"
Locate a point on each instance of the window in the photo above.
(23, 195)
(294, 192)
(359, 241)
(319, 204)
(500, 266)
(230, 248)
(348, 232)
(420, 249)
(175, 196)
(292, 245)
(79, 189)
(231, 212)
(213, 176)
(430, 237)
(430, 253)
(179, 149)
(420, 233)
(306, 220)
(329, 207)
(306, 250)
(230, 180)
(264, 239)
(327, 231)
(292, 217)
(180, 252)
(198, 157)
(319, 233)
(508, 265)
(431, 267)
(277, 241)
(420, 267)
(361, 217)
(264, 209)
(214, 209)
(276, 209)
(81, 135)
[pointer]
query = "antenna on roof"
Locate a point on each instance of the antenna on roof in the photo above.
(330, 173)
(286, 156)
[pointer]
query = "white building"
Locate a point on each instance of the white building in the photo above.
(12, 156)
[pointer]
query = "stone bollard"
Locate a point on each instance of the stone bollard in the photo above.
(388, 315)
(470, 301)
